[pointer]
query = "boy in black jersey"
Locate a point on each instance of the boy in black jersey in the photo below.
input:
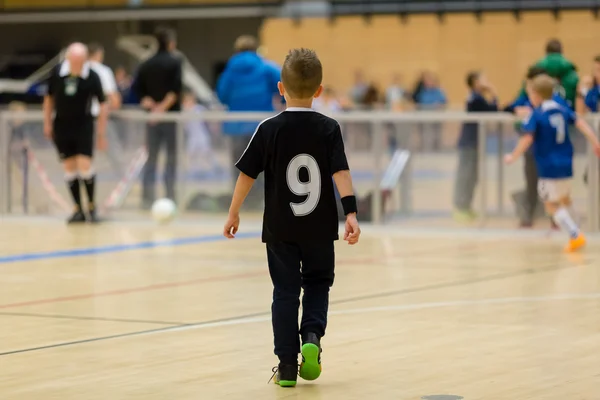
(299, 150)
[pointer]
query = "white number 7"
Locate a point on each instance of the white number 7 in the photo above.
(558, 122)
(310, 189)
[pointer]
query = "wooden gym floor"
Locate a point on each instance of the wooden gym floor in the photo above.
(134, 311)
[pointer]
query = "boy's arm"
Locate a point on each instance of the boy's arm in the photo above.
(523, 145)
(529, 128)
(242, 188)
(251, 164)
(343, 182)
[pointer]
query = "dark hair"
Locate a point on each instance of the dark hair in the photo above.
(419, 86)
(302, 73)
(371, 97)
(472, 78)
(534, 71)
(554, 46)
(245, 43)
(164, 36)
(94, 48)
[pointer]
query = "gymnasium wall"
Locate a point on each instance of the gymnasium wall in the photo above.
(499, 44)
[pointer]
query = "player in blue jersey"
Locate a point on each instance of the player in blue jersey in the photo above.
(522, 108)
(547, 130)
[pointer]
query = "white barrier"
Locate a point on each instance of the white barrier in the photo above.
(377, 119)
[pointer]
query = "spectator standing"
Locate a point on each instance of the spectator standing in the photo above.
(481, 99)
(592, 95)
(561, 69)
(199, 147)
(395, 94)
(158, 85)
(430, 98)
(124, 81)
(114, 150)
(248, 83)
(327, 102)
(359, 89)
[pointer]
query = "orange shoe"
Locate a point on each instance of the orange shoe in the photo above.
(576, 244)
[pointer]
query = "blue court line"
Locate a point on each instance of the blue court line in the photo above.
(117, 248)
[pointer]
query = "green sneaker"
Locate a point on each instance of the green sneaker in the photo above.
(285, 375)
(464, 216)
(310, 369)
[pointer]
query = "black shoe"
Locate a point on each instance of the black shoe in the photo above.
(93, 217)
(310, 369)
(285, 375)
(78, 217)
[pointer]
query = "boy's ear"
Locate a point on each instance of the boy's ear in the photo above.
(280, 88)
(319, 91)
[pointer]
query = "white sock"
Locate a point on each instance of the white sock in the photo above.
(86, 174)
(564, 220)
(573, 214)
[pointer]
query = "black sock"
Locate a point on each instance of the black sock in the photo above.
(288, 359)
(90, 184)
(73, 185)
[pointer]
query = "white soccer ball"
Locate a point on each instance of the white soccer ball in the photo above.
(164, 210)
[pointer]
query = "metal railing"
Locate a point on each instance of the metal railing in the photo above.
(374, 154)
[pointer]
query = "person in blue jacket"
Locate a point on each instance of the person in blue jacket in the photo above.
(248, 84)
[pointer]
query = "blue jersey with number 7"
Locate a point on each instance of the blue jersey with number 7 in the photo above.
(552, 146)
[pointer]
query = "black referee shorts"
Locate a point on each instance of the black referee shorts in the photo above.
(75, 140)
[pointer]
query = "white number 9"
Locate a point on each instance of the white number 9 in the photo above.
(310, 189)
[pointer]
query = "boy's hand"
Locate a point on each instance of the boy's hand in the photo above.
(231, 226)
(597, 149)
(352, 233)
(509, 159)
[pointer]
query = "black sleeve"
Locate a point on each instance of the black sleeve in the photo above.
(337, 155)
(252, 161)
(98, 92)
(175, 76)
(480, 104)
(137, 87)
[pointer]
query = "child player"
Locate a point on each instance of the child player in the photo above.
(299, 150)
(547, 129)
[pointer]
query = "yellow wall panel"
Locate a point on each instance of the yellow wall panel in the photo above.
(498, 44)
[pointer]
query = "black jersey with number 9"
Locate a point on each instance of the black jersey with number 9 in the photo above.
(298, 150)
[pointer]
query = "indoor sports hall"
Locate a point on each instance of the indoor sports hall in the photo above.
(428, 305)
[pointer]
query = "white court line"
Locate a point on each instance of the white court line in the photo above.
(402, 307)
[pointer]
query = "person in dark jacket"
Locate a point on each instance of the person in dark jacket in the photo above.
(249, 84)
(158, 85)
(481, 99)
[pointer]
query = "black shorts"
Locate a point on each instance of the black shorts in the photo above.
(74, 140)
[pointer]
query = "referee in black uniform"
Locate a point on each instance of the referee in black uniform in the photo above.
(158, 84)
(71, 87)
(299, 151)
